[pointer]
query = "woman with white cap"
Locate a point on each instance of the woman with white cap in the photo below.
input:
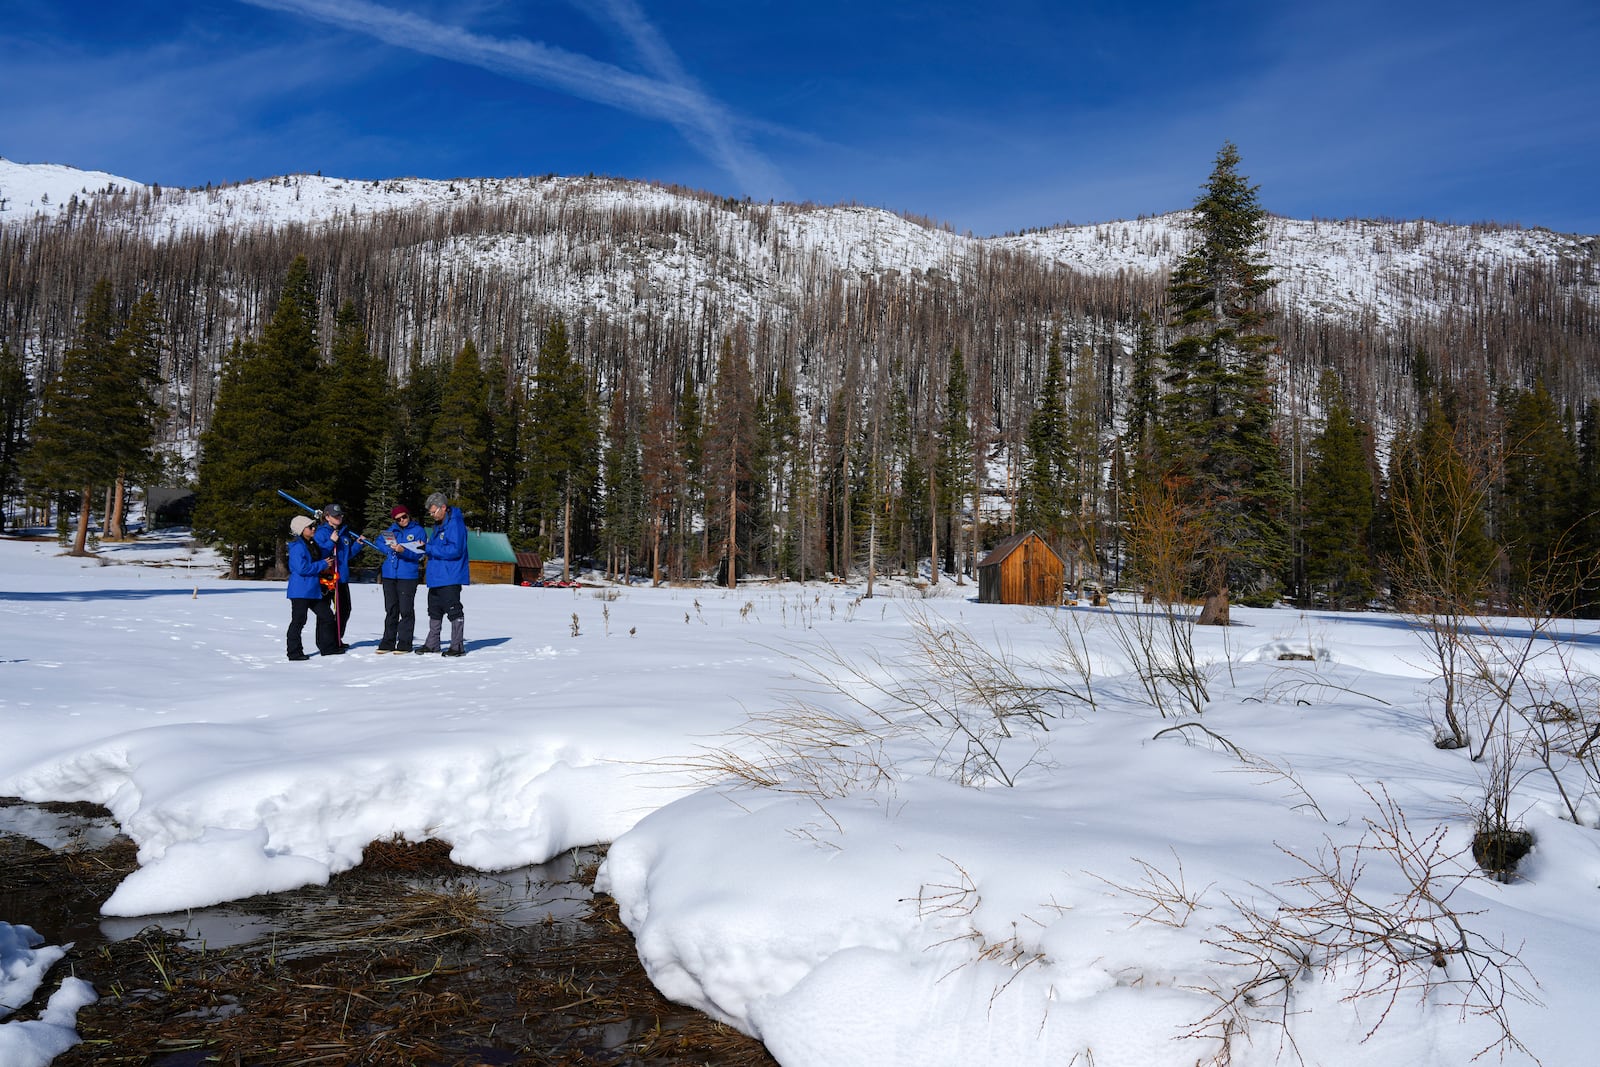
(307, 565)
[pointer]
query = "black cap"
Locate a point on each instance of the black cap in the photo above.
(335, 510)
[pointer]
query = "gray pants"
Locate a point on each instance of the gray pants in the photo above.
(444, 601)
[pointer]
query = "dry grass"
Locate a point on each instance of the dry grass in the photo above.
(395, 962)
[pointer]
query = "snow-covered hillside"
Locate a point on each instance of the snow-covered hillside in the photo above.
(1351, 272)
(28, 190)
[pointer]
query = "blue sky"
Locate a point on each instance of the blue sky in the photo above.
(990, 117)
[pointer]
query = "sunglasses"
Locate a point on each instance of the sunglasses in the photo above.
(402, 516)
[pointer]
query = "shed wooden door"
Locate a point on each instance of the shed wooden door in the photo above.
(1041, 573)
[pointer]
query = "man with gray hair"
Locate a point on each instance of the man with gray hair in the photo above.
(449, 568)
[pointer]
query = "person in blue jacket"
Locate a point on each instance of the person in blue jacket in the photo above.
(402, 559)
(448, 569)
(307, 565)
(340, 545)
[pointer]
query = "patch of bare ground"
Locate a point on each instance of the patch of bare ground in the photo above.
(402, 960)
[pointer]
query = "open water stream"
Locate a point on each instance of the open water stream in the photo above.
(407, 959)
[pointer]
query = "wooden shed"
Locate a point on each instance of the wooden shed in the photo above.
(530, 568)
(491, 560)
(1021, 570)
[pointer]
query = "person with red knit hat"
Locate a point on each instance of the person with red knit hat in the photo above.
(402, 559)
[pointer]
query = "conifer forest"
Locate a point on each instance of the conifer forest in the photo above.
(1216, 405)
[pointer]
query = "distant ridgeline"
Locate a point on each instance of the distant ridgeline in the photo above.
(853, 311)
(649, 278)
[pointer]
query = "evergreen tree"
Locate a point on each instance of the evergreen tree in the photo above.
(837, 484)
(263, 436)
(1438, 489)
(691, 449)
(760, 515)
(780, 469)
(1220, 455)
(1136, 461)
(78, 443)
(234, 502)
(729, 455)
(288, 346)
(563, 434)
(355, 407)
(505, 446)
(136, 415)
(16, 396)
(1339, 503)
(1540, 520)
(622, 492)
(455, 460)
(662, 478)
(954, 476)
(911, 483)
(1587, 504)
(1144, 394)
(1042, 502)
(1081, 475)
(420, 401)
(383, 488)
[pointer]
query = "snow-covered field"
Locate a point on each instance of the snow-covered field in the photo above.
(877, 900)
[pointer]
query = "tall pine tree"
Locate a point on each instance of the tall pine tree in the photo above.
(1081, 474)
(662, 479)
(1221, 457)
(1042, 503)
(563, 435)
(729, 456)
(16, 396)
(1339, 504)
(1439, 485)
(98, 418)
(139, 413)
(455, 461)
(504, 385)
(955, 467)
(263, 435)
(622, 492)
(691, 434)
(418, 409)
(356, 407)
(1540, 517)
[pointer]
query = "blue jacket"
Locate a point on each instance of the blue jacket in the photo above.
(347, 544)
(448, 562)
(306, 564)
(402, 562)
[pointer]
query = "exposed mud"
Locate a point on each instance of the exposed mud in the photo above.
(407, 959)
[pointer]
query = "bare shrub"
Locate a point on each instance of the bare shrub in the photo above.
(1383, 946)
(953, 904)
(1158, 640)
(1444, 567)
(965, 710)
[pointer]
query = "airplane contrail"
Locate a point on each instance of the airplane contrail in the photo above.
(671, 96)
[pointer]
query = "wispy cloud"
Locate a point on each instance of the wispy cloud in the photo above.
(670, 95)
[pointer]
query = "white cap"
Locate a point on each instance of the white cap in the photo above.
(298, 524)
